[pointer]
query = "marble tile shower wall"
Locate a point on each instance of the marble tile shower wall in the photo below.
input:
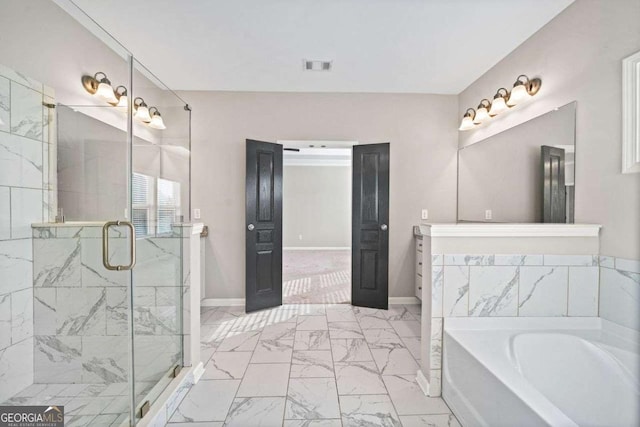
(81, 310)
(620, 291)
(25, 192)
(508, 285)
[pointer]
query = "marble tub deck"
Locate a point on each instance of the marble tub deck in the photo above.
(310, 365)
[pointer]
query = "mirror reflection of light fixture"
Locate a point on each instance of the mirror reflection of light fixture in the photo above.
(467, 119)
(100, 86)
(123, 99)
(482, 113)
(523, 89)
(1, 122)
(142, 111)
(499, 103)
(156, 119)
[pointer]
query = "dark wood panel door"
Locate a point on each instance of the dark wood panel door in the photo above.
(554, 205)
(263, 225)
(370, 226)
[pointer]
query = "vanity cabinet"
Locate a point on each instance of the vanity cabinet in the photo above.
(420, 265)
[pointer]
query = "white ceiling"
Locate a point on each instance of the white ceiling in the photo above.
(415, 46)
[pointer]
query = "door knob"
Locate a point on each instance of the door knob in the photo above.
(251, 227)
(383, 227)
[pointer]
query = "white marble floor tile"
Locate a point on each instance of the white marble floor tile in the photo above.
(256, 411)
(279, 331)
(398, 312)
(359, 378)
(312, 423)
(341, 330)
(227, 365)
(406, 328)
(273, 351)
(339, 314)
(243, 341)
(441, 420)
(409, 399)
(373, 322)
(372, 410)
(208, 400)
(265, 379)
(312, 364)
(312, 340)
(312, 398)
(413, 345)
(393, 359)
(312, 323)
(350, 350)
(374, 336)
(206, 424)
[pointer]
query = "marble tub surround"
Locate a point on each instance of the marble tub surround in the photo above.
(503, 270)
(620, 291)
(346, 371)
(25, 190)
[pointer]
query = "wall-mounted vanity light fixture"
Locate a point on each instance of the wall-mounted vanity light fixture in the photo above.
(523, 89)
(156, 119)
(100, 85)
(141, 110)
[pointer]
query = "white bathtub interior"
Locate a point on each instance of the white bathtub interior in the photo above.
(541, 371)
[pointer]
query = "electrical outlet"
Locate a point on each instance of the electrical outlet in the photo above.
(425, 213)
(488, 214)
(196, 214)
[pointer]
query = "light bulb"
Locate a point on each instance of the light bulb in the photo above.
(157, 122)
(105, 91)
(518, 94)
(142, 114)
(123, 103)
(498, 106)
(467, 123)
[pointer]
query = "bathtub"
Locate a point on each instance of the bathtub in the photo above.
(524, 371)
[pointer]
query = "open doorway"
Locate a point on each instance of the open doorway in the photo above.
(317, 191)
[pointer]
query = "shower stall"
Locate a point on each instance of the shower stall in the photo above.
(97, 241)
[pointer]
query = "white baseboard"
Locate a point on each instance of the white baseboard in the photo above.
(423, 383)
(222, 302)
(310, 248)
(198, 371)
(239, 302)
(404, 300)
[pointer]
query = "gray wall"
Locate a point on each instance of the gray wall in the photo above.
(578, 56)
(317, 206)
(421, 130)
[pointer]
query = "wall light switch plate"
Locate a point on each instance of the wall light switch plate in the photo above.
(196, 214)
(425, 213)
(488, 214)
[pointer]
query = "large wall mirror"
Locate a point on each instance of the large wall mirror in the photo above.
(525, 174)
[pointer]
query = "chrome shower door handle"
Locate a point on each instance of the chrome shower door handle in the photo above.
(383, 227)
(105, 246)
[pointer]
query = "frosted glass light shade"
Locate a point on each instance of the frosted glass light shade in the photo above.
(123, 103)
(105, 91)
(518, 95)
(142, 114)
(467, 123)
(498, 106)
(157, 122)
(482, 115)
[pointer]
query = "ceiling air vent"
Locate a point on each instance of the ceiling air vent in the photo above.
(317, 65)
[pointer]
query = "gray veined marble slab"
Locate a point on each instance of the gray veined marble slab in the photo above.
(464, 259)
(439, 420)
(413, 345)
(620, 297)
(312, 340)
(543, 291)
(58, 359)
(5, 321)
(373, 410)
(279, 331)
(406, 328)
(312, 423)
(376, 336)
(26, 209)
(16, 371)
(312, 323)
(265, 379)
(117, 311)
(57, 262)
(243, 341)
(208, 400)
(81, 311)
(5, 105)
(373, 322)
(583, 291)
(312, 398)
(273, 351)
(312, 364)
(393, 359)
(339, 314)
(104, 359)
(350, 350)
(409, 399)
(437, 284)
(21, 315)
(26, 112)
(398, 312)
(256, 411)
(584, 260)
(15, 265)
(493, 291)
(227, 365)
(456, 291)
(21, 161)
(359, 378)
(5, 214)
(342, 330)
